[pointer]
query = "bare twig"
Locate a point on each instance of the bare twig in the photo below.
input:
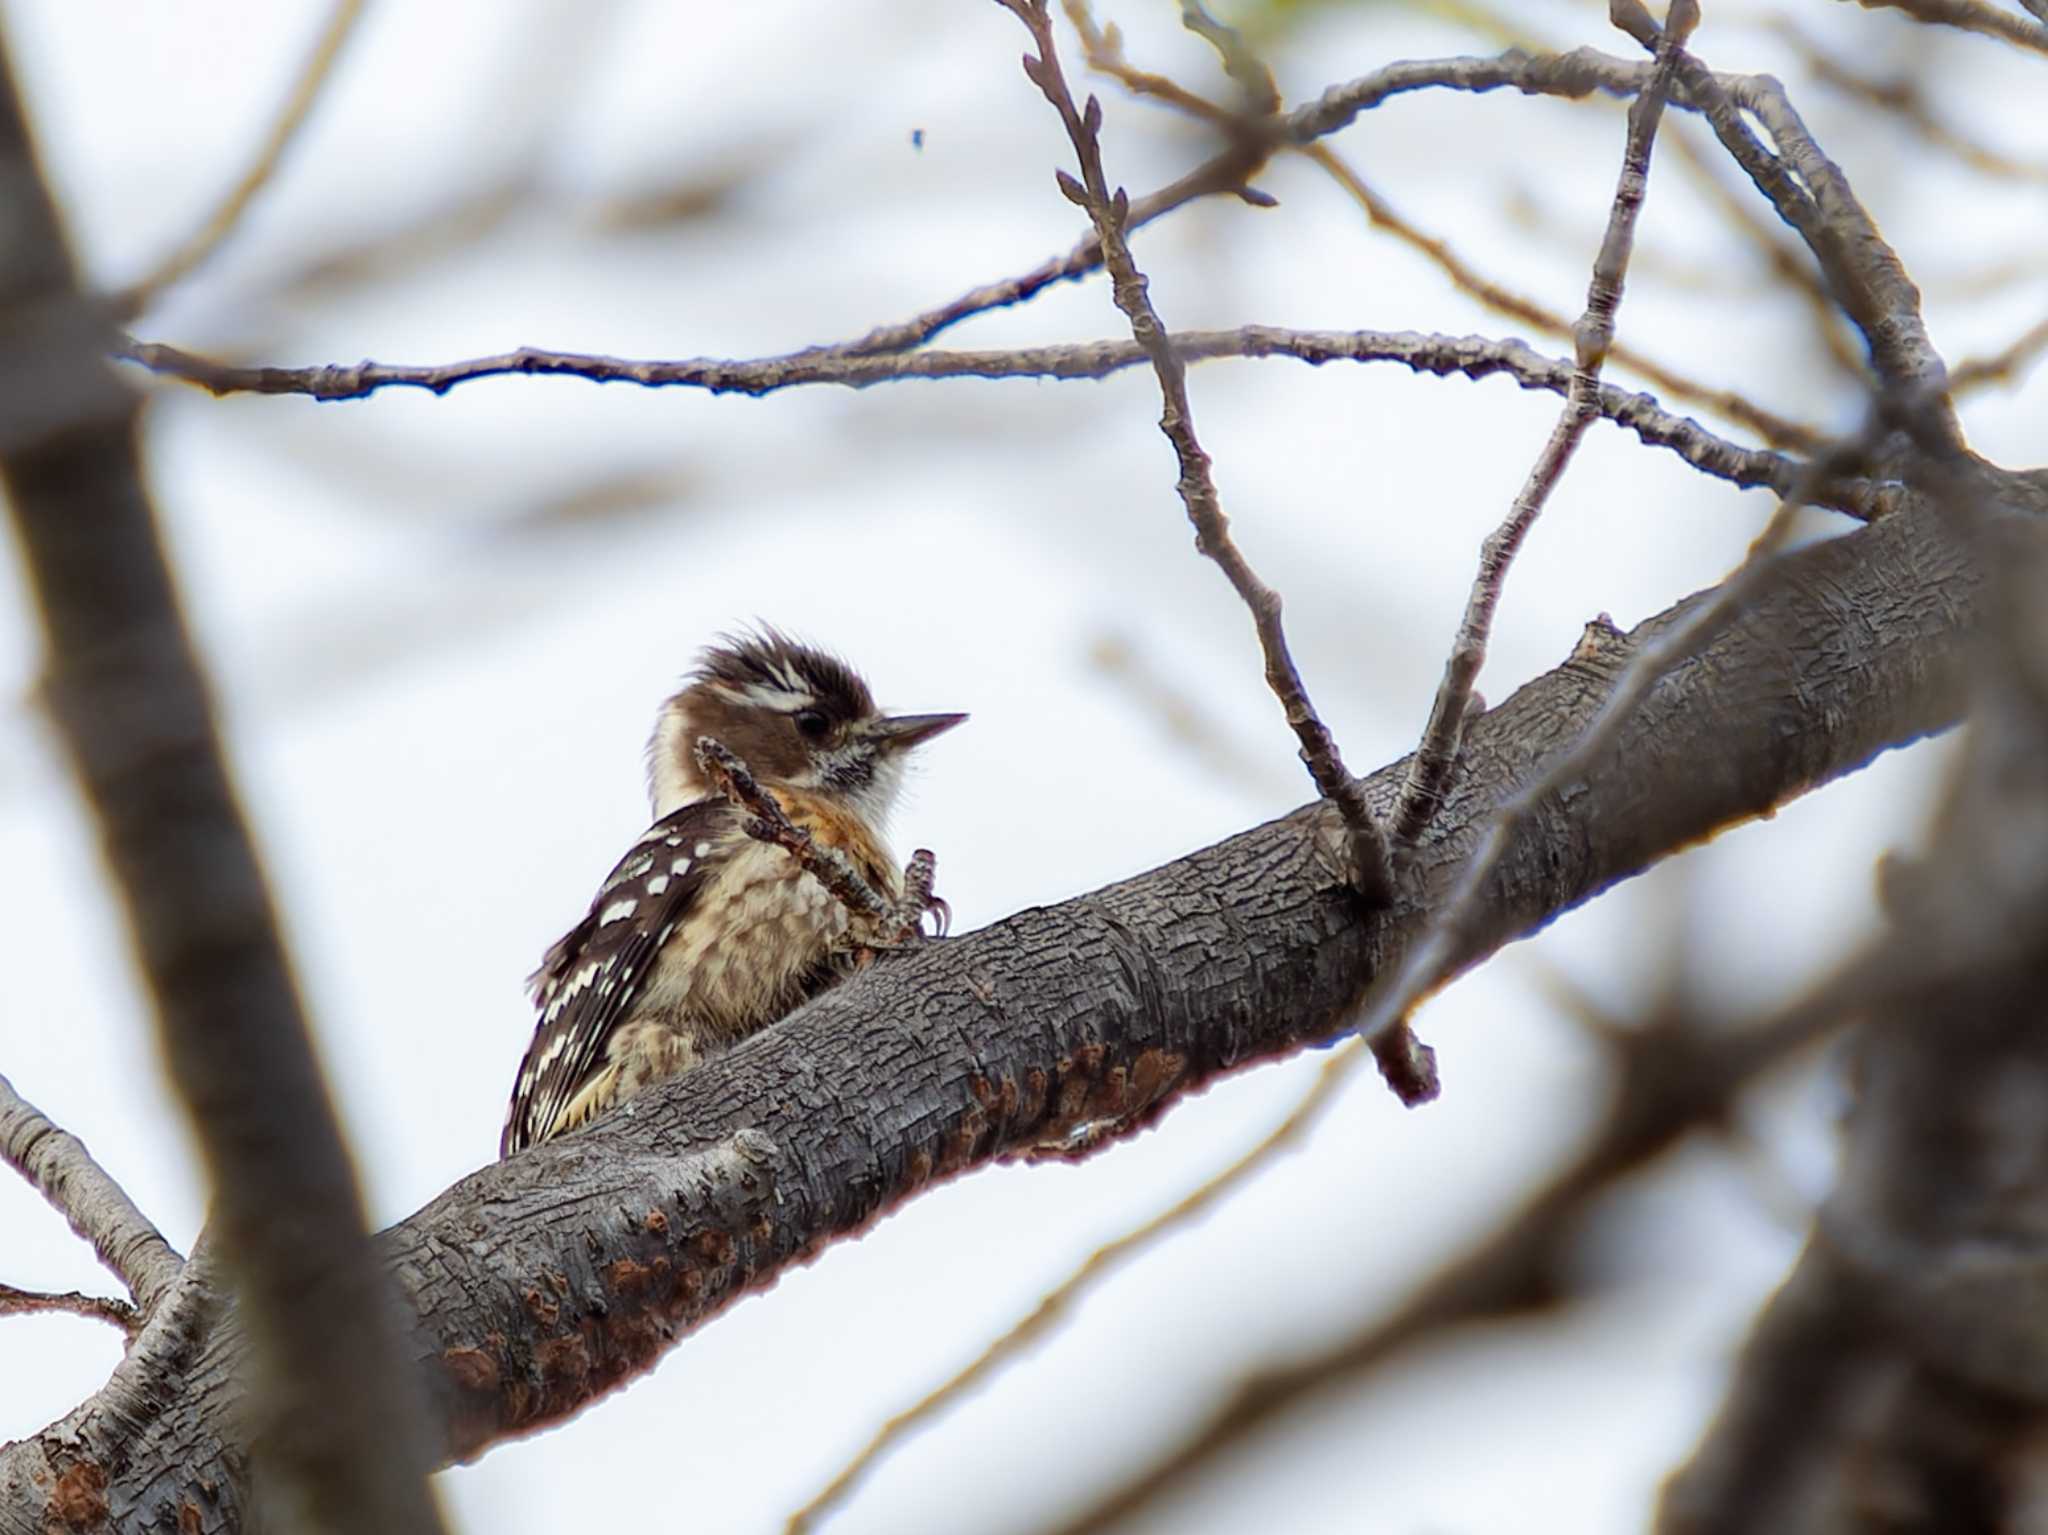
(1058, 1302)
(346, 1443)
(1970, 16)
(1781, 432)
(1196, 486)
(1573, 75)
(1472, 356)
(1429, 771)
(1433, 959)
(1103, 50)
(298, 107)
(98, 1308)
(98, 1208)
(894, 921)
(1811, 194)
(830, 867)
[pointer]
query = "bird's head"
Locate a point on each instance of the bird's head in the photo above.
(796, 716)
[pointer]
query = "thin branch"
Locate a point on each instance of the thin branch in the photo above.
(1432, 961)
(1102, 47)
(346, 1442)
(892, 922)
(1970, 16)
(1788, 261)
(1573, 75)
(770, 824)
(1057, 1304)
(98, 1208)
(1472, 356)
(1408, 1065)
(1811, 194)
(1371, 870)
(1780, 432)
(298, 107)
(1429, 772)
(97, 1308)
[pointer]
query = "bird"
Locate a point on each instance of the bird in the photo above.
(703, 934)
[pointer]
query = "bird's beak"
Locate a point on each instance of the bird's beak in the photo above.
(900, 732)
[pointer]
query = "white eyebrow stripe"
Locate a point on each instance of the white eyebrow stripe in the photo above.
(786, 694)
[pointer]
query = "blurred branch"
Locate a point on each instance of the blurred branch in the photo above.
(1057, 1303)
(2001, 366)
(1969, 16)
(1903, 99)
(1149, 689)
(343, 1447)
(1472, 356)
(1373, 875)
(298, 107)
(1778, 431)
(1429, 772)
(98, 1208)
(1671, 1081)
(1896, 1380)
(1782, 257)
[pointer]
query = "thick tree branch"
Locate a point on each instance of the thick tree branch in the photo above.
(342, 1447)
(542, 1282)
(97, 1207)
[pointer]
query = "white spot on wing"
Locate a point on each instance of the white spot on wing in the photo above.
(679, 868)
(618, 911)
(656, 885)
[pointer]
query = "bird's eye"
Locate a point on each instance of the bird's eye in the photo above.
(811, 724)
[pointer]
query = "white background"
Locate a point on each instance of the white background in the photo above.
(439, 628)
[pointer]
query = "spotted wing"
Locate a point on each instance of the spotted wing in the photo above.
(587, 983)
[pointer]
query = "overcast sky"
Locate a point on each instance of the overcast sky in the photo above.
(440, 627)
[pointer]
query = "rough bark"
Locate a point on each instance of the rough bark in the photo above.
(540, 1283)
